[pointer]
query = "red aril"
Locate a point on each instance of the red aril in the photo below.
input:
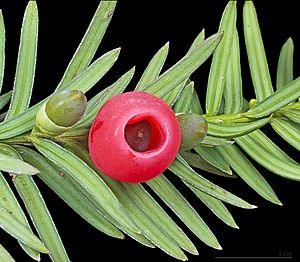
(134, 137)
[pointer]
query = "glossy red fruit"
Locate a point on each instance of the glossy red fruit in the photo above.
(134, 137)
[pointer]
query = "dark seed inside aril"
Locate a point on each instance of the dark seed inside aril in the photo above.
(138, 135)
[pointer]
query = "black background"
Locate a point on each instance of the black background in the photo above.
(141, 28)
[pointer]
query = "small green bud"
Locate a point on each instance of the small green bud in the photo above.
(66, 108)
(61, 112)
(193, 129)
(252, 103)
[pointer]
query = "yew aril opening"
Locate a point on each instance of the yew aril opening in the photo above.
(144, 133)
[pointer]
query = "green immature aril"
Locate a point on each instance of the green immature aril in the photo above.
(66, 108)
(193, 128)
(61, 112)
